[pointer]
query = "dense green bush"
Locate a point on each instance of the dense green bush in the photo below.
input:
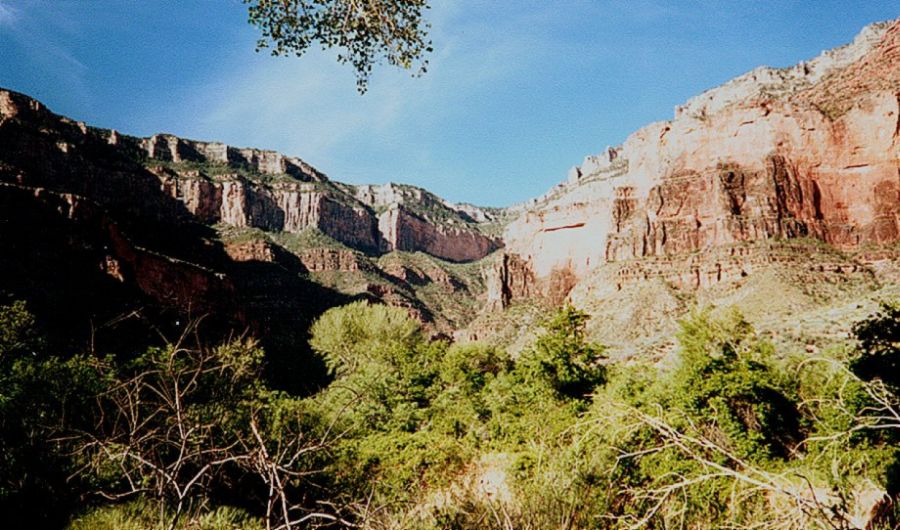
(361, 333)
(419, 433)
(40, 395)
(563, 358)
(879, 346)
(185, 428)
(726, 382)
(18, 333)
(142, 514)
(418, 414)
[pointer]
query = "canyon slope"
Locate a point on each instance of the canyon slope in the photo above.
(112, 238)
(778, 192)
(792, 175)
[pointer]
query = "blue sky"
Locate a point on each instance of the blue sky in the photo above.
(517, 91)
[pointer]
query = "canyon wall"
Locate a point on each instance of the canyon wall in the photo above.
(372, 218)
(196, 227)
(818, 158)
(238, 187)
(775, 157)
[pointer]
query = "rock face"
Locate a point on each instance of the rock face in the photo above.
(412, 219)
(767, 82)
(280, 207)
(746, 177)
(349, 214)
(173, 149)
(213, 228)
(166, 279)
(253, 188)
(743, 163)
(404, 230)
(508, 277)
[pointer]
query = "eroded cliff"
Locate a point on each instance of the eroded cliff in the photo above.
(778, 191)
(817, 158)
(785, 177)
(214, 213)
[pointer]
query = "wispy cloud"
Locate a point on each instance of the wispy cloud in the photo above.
(43, 38)
(8, 15)
(309, 107)
(477, 116)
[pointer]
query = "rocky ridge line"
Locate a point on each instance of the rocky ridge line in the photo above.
(244, 187)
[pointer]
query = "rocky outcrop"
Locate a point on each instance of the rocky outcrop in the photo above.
(296, 206)
(767, 82)
(739, 170)
(404, 230)
(412, 219)
(328, 259)
(170, 148)
(253, 250)
(346, 213)
(284, 207)
(729, 264)
(875, 70)
(422, 202)
(239, 187)
(168, 280)
(508, 277)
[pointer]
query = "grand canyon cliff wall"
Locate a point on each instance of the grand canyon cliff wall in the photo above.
(807, 152)
(167, 225)
(239, 187)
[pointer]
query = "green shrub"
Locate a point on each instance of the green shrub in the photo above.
(361, 332)
(879, 346)
(408, 424)
(18, 332)
(725, 382)
(562, 357)
(142, 514)
(41, 396)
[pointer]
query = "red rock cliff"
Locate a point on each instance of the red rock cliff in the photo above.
(818, 158)
(239, 187)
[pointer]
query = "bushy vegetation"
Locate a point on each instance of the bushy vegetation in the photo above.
(420, 433)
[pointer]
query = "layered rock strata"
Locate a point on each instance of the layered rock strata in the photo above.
(177, 199)
(239, 187)
(818, 159)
